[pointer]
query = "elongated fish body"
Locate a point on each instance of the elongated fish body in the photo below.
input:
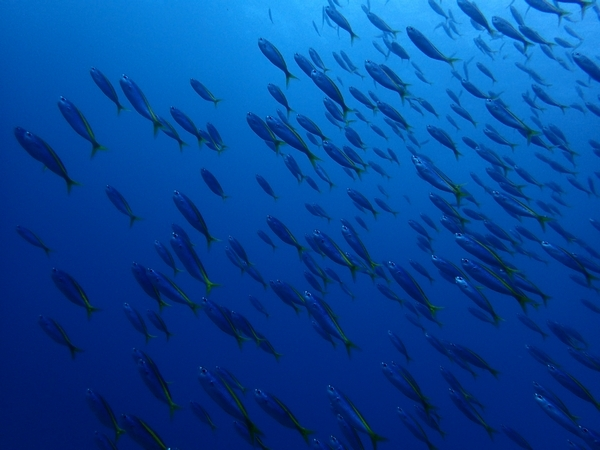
(495, 282)
(470, 412)
(139, 101)
(506, 28)
(427, 47)
(410, 286)
(190, 260)
(483, 252)
(191, 213)
(202, 414)
(587, 65)
(341, 21)
(443, 138)
(221, 317)
(304, 63)
(141, 433)
(568, 259)
(203, 92)
(170, 131)
(573, 385)
(32, 238)
(103, 412)
(158, 323)
(117, 199)
(71, 289)
(477, 297)
(280, 412)
(276, 58)
(169, 289)
(106, 87)
(329, 247)
(288, 135)
(330, 89)
(166, 256)
(264, 184)
(156, 384)
(284, 233)
(224, 396)
(141, 276)
(471, 10)
(310, 126)
(79, 123)
(516, 208)
(361, 200)
(58, 334)
(357, 245)
(137, 321)
(414, 427)
(41, 151)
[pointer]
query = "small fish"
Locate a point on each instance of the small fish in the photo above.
(33, 239)
(139, 101)
(137, 321)
(276, 58)
(201, 413)
(71, 289)
(203, 92)
(117, 199)
(79, 123)
(39, 150)
(280, 412)
(158, 322)
(142, 433)
(58, 334)
(106, 87)
(427, 47)
(191, 213)
(341, 21)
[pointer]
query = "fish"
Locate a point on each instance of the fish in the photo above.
(142, 433)
(139, 101)
(425, 45)
(117, 199)
(191, 213)
(32, 238)
(341, 21)
(276, 58)
(79, 123)
(204, 92)
(137, 321)
(71, 289)
(280, 412)
(41, 151)
(57, 333)
(107, 88)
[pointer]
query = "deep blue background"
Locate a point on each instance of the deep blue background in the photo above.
(48, 50)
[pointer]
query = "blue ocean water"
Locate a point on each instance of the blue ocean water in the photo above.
(49, 48)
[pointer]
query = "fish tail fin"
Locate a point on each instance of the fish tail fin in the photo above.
(490, 431)
(494, 372)
(70, 184)
(301, 249)
(408, 359)
(91, 310)
(313, 159)
(120, 108)
(149, 336)
(182, 144)
(118, 432)
(375, 438)
(430, 446)
(216, 101)
(173, 407)
(289, 76)
(210, 285)
(47, 251)
(210, 239)
(545, 298)
(97, 147)
(133, 219)
(162, 304)
(452, 60)
(168, 334)
(542, 220)
(176, 271)
(74, 350)
(195, 307)
(305, 432)
(156, 125)
(349, 346)
(434, 309)
(353, 36)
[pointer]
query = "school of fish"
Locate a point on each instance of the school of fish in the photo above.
(381, 125)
